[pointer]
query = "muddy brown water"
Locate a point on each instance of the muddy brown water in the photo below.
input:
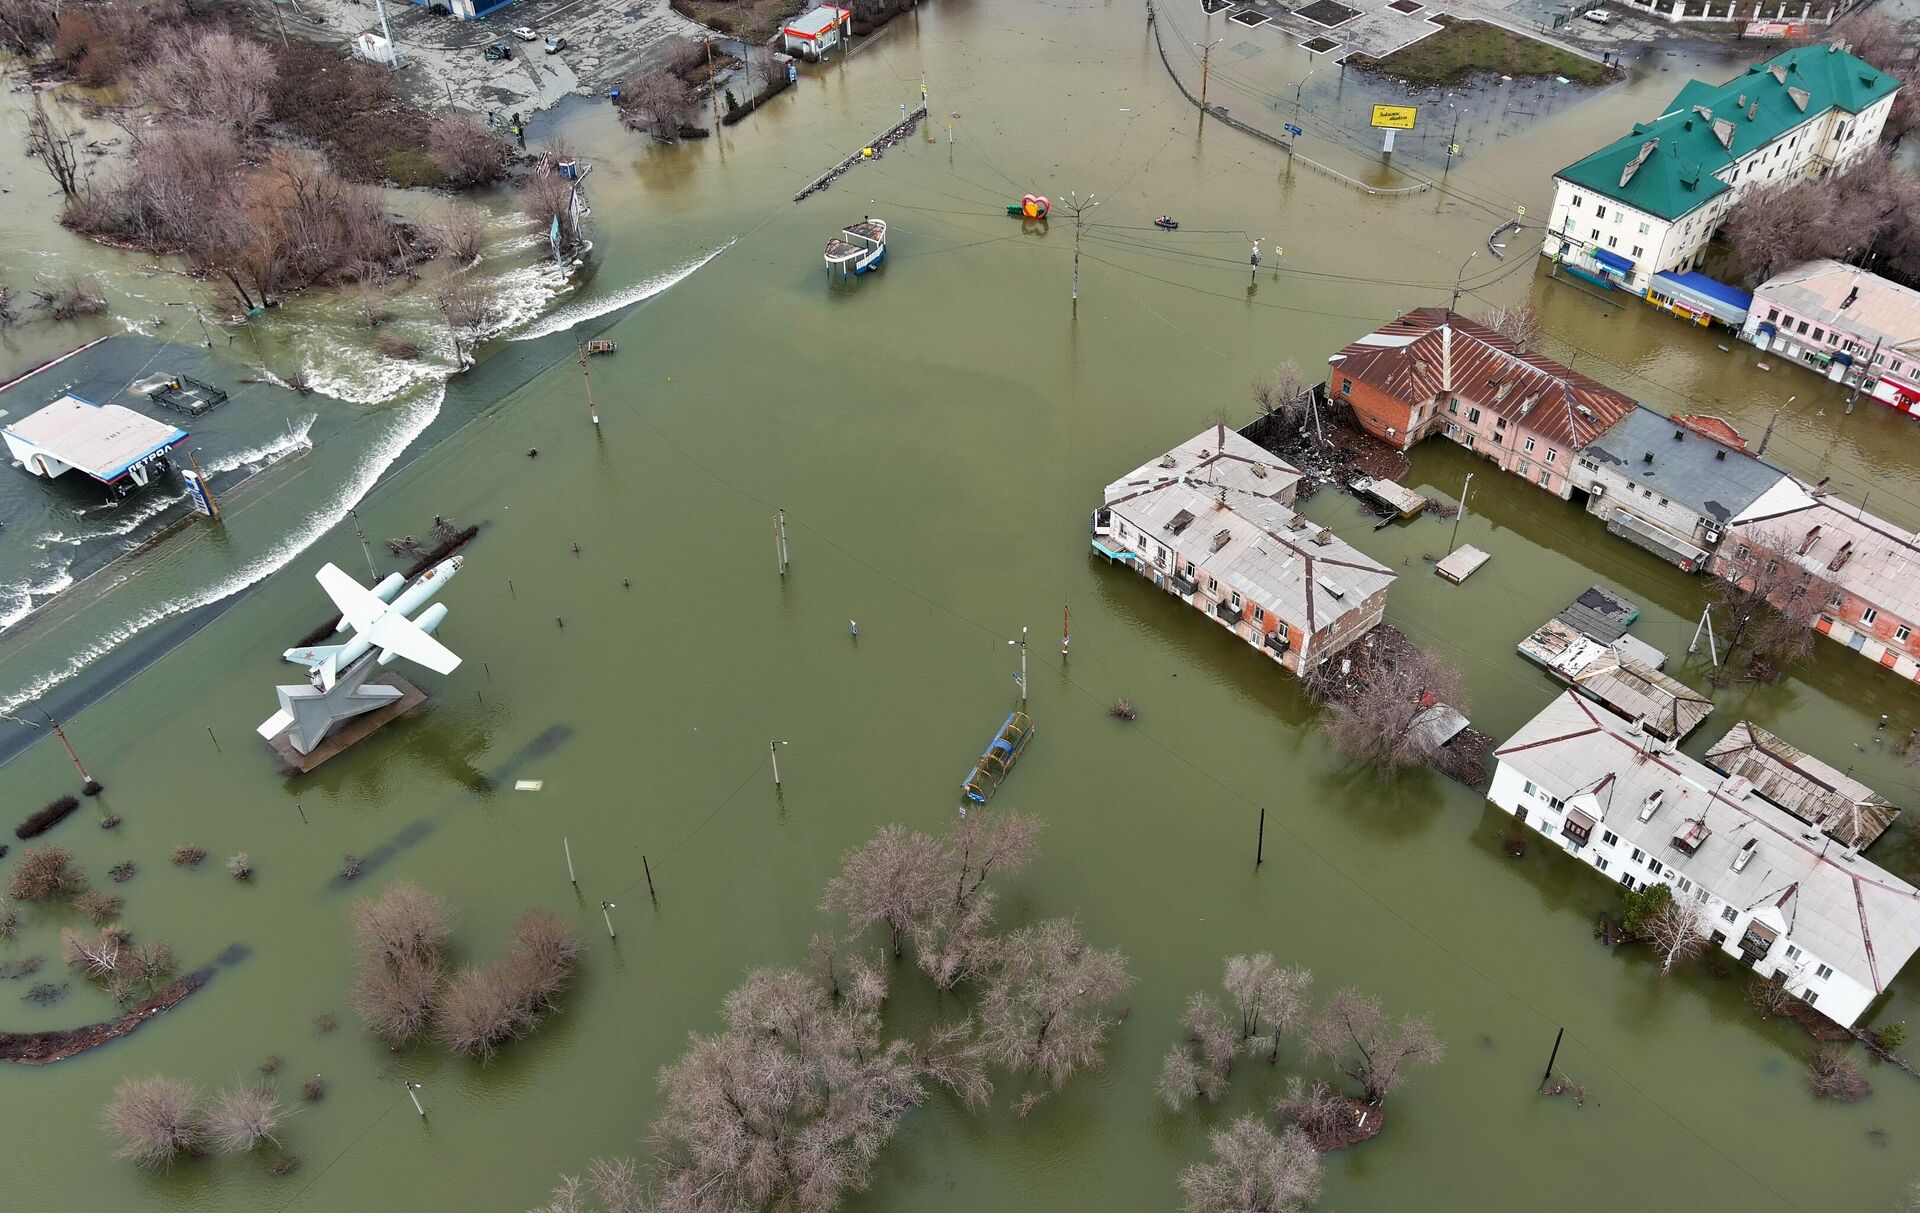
(937, 433)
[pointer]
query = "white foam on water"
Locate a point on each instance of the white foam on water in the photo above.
(413, 420)
(564, 318)
(296, 437)
(18, 598)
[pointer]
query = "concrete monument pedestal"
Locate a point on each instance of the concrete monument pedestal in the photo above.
(350, 732)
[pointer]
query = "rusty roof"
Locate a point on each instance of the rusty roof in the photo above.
(1431, 350)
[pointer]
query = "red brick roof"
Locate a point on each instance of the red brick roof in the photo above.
(1449, 353)
(1708, 426)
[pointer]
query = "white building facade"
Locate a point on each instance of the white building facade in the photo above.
(1771, 891)
(1650, 201)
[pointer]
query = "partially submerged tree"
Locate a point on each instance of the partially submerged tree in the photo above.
(1319, 1111)
(1677, 931)
(242, 1117)
(1271, 1001)
(1768, 598)
(467, 306)
(154, 1120)
(1044, 1010)
(891, 879)
(1284, 394)
(465, 151)
(657, 103)
(213, 77)
(44, 873)
(1833, 1075)
(1267, 1002)
(1380, 712)
(1373, 1048)
(1200, 1065)
(1254, 1170)
(786, 1108)
(54, 140)
(401, 936)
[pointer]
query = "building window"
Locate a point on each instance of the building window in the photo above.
(1189, 570)
(1741, 552)
(1834, 601)
(1600, 863)
(1473, 416)
(1540, 475)
(1577, 200)
(1869, 615)
(1663, 501)
(1346, 385)
(1259, 615)
(1613, 242)
(1555, 803)
(1600, 212)
(1529, 787)
(1467, 442)
(1683, 884)
(1729, 913)
(1810, 997)
(1639, 856)
(1793, 952)
(1596, 233)
(1638, 251)
(1819, 334)
(1801, 327)
(1773, 313)
(1655, 866)
(1552, 454)
(1213, 587)
(1609, 837)
(1236, 600)
(1823, 972)
(1528, 446)
(1902, 632)
(1453, 406)
(1626, 878)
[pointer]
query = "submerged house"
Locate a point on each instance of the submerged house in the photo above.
(1212, 522)
(1833, 802)
(1435, 372)
(1786, 900)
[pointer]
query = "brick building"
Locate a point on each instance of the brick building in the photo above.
(1435, 372)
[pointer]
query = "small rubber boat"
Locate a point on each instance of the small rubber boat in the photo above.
(1166, 223)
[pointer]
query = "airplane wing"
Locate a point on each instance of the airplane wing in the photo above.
(358, 605)
(399, 634)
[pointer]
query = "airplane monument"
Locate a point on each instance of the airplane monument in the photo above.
(343, 701)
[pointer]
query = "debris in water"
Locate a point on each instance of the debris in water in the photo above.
(528, 785)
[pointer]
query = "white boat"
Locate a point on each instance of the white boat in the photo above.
(858, 248)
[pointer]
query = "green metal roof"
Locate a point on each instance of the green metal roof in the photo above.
(1665, 167)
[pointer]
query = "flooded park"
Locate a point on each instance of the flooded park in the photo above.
(936, 434)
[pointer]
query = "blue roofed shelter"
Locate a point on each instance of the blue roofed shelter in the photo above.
(1698, 298)
(1650, 201)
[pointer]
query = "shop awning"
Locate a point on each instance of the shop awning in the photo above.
(1765, 329)
(1842, 357)
(1613, 261)
(1729, 305)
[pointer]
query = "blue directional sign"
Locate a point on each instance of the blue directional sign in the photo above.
(1294, 130)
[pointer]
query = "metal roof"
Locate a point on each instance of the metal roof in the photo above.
(1449, 353)
(1665, 167)
(1867, 556)
(1710, 478)
(103, 441)
(1222, 503)
(1837, 904)
(1840, 805)
(1852, 300)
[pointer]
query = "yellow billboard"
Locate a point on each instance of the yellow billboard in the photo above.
(1397, 117)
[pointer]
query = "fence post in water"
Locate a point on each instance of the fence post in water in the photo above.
(1260, 841)
(606, 906)
(216, 741)
(773, 750)
(649, 871)
(593, 410)
(1548, 1076)
(571, 878)
(413, 1087)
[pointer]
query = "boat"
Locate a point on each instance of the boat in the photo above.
(601, 345)
(1166, 223)
(858, 248)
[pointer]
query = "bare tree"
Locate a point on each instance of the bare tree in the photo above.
(1380, 705)
(479, 1010)
(611, 1185)
(1271, 1001)
(1201, 1064)
(96, 958)
(396, 999)
(9, 918)
(1833, 1075)
(1254, 1170)
(1319, 1111)
(54, 140)
(214, 77)
(1284, 394)
(400, 935)
(466, 304)
(242, 1117)
(1768, 995)
(1769, 598)
(44, 873)
(893, 878)
(1044, 1008)
(27, 25)
(155, 1120)
(1677, 931)
(1374, 1049)
(657, 103)
(785, 1109)
(466, 152)
(462, 231)
(73, 295)
(952, 936)
(98, 906)
(1520, 324)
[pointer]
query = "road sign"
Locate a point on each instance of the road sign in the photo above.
(1453, 149)
(1293, 130)
(1396, 117)
(1522, 211)
(198, 493)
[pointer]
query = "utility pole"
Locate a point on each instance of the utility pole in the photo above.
(571, 878)
(780, 539)
(773, 751)
(1079, 210)
(593, 410)
(1459, 290)
(412, 1093)
(606, 908)
(364, 549)
(1297, 89)
(1022, 679)
(1451, 143)
(393, 48)
(713, 92)
(1768, 436)
(1206, 63)
(1463, 511)
(88, 784)
(1066, 628)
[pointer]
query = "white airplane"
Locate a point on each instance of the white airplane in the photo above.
(379, 619)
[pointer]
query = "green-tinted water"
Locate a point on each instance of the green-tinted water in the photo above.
(937, 434)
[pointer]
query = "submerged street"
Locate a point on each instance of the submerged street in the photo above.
(936, 433)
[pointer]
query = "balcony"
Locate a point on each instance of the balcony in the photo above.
(1277, 641)
(1181, 586)
(1227, 612)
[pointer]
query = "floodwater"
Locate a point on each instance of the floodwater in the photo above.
(937, 434)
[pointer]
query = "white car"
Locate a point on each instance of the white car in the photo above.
(525, 33)
(555, 44)
(1599, 16)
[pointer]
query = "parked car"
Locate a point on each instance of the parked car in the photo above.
(1599, 16)
(498, 50)
(555, 44)
(525, 33)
